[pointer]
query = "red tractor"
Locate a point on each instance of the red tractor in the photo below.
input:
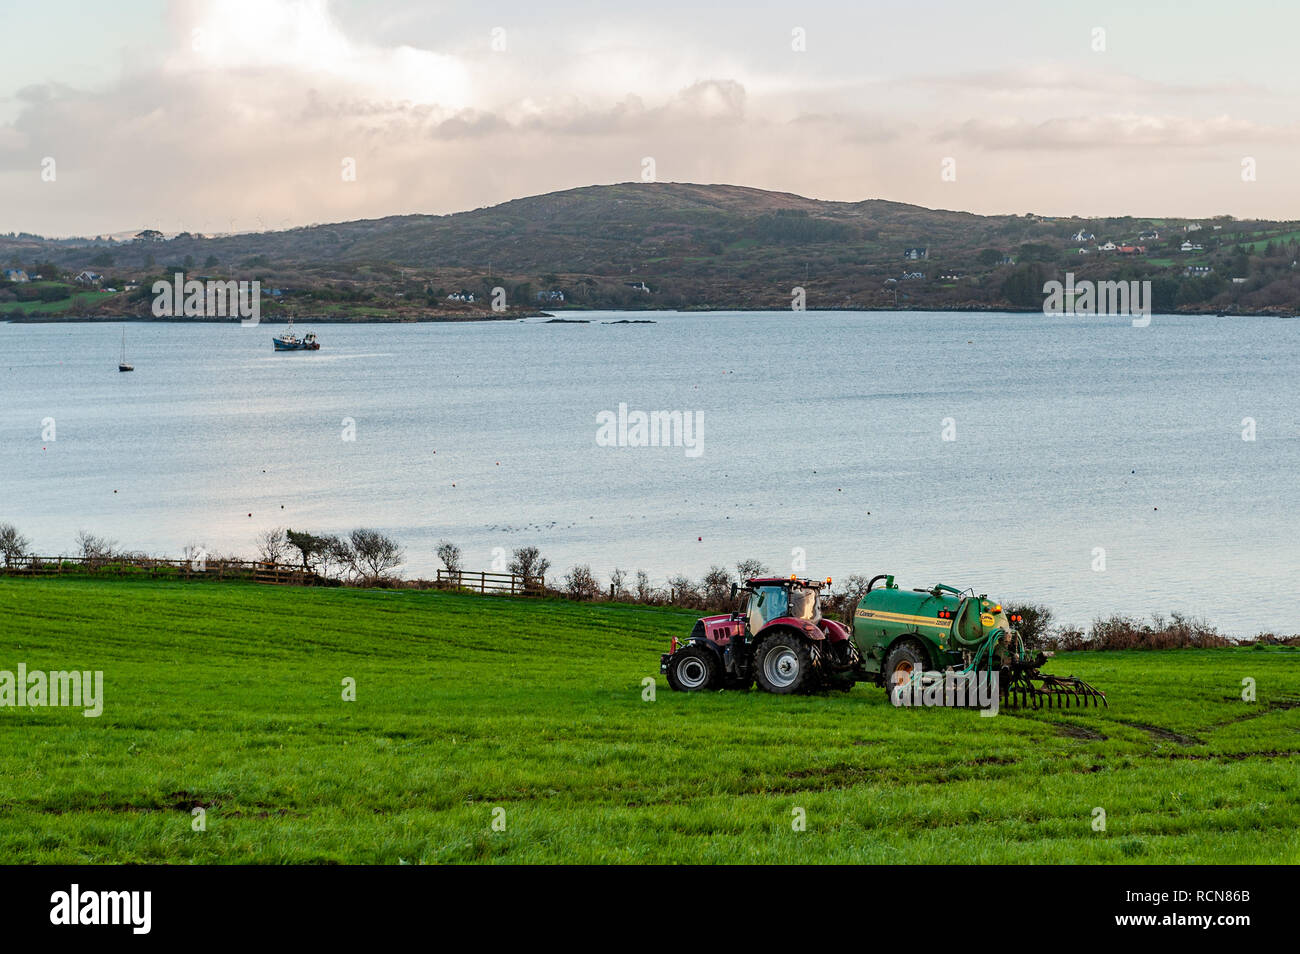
(776, 635)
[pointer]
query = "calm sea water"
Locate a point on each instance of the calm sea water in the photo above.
(820, 431)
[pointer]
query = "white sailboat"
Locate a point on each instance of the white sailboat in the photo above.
(122, 365)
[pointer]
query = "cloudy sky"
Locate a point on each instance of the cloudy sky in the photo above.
(210, 116)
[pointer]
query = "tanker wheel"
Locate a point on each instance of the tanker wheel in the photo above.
(692, 669)
(905, 659)
(784, 664)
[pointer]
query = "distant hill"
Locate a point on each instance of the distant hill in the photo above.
(700, 246)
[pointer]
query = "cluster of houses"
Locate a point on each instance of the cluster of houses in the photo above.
(461, 296)
(87, 278)
(553, 296)
(1136, 248)
(1152, 235)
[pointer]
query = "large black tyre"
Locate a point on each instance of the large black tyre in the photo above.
(905, 657)
(693, 669)
(785, 663)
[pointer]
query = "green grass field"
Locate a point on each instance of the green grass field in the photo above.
(229, 697)
(79, 300)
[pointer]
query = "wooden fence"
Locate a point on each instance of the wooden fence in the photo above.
(508, 584)
(150, 568)
(480, 581)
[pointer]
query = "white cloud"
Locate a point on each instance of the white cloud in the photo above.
(273, 39)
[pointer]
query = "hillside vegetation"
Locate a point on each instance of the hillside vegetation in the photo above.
(229, 698)
(693, 247)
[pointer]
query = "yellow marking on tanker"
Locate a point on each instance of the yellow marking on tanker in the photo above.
(903, 618)
(987, 619)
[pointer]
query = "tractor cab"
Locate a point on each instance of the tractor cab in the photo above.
(766, 599)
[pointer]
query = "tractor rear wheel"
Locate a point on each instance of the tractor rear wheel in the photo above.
(692, 669)
(905, 659)
(784, 664)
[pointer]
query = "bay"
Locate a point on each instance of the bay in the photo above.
(822, 434)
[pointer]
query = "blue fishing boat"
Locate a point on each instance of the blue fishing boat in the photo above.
(291, 342)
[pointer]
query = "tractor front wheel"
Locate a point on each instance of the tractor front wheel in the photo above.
(784, 664)
(692, 669)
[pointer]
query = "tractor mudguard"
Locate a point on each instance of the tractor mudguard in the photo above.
(804, 627)
(835, 631)
(700, 641)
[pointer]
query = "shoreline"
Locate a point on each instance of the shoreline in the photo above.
(559, 316)
(273, 320)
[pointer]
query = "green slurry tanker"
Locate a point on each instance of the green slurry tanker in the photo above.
(776, 636)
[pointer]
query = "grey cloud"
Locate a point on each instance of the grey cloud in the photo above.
(1111, 132)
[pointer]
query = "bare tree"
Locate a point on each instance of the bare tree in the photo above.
(843, 602)
(618, 584)
(645, 593)
(682, 591)
(340, 557)
(580, 584)
(272, 546)
(450, 556)
(94, 548)
(375, 554)
(529, 563)
(1036, 624)
(716, 587)
(748, 569)
(13, 545)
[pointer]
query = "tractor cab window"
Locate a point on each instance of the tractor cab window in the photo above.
(768, 603)
(803, 603)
